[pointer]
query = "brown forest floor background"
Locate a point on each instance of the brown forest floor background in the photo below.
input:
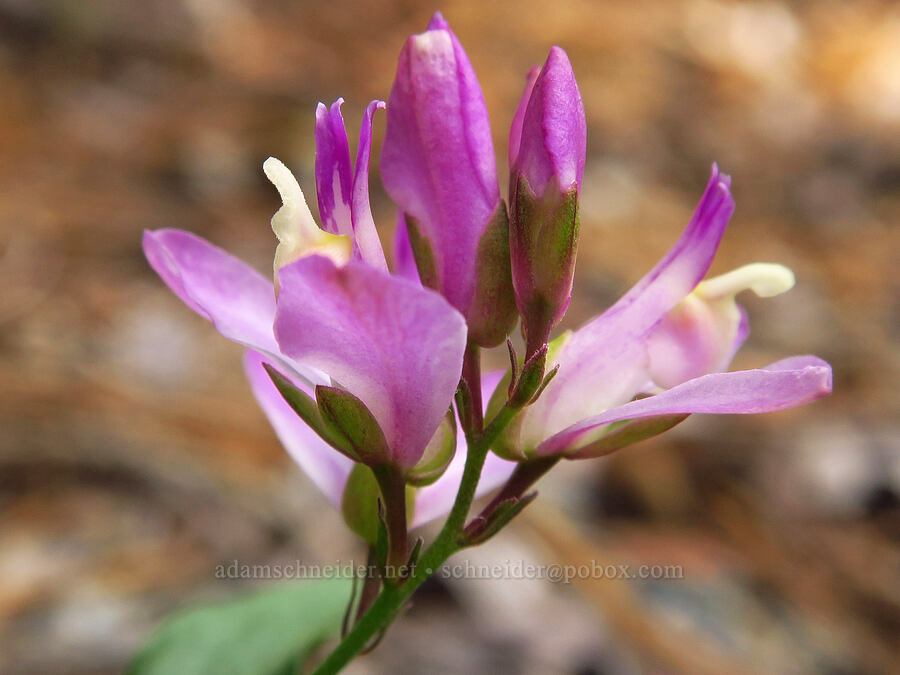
(132, 457)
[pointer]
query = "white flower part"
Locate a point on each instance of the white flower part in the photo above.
(764, 279)
(293, 224)
(702, 333)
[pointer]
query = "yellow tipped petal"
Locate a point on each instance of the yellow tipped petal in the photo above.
(293, 220)
(293, 224)
(764, 279)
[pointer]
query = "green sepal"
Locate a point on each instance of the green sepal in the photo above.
(463, 399)
(507, 444)
(359, 503)
(492, 313)
(545, 231)
(423, 254)
(306, 408)
(415, 553)
(351, 422)
(530, 380)
(624, 433)
(438, 454)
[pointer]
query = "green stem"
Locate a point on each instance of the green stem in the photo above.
(393, 493)
(523, 477)
(471, 375)
(389, 603)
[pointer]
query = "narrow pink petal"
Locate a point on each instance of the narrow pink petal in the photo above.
(366, 240)
(686, 263)
(326, 467)
(396, 346)
(784, 384)
(238, 300)
(333, 175)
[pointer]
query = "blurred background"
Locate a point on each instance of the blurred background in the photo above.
(133, 459)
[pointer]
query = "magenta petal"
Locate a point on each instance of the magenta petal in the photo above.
(515, 129)
(686, 263)
(784, 384)
(333, 173)
(365, 236)
(437, 499)
(396, 346)
(554, 132)
(437, 161)
(238, 300)
(326, 467)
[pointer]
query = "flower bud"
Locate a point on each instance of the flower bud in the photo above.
(547, 148)
(438, 165)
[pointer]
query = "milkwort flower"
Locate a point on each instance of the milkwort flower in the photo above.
(366, 361)
(656, 356)
(381, 354)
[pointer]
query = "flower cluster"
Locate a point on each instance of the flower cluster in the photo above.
(357, 364)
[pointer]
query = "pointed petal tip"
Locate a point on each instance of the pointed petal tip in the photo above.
(438, 22)
(558, 56)
(718, 177)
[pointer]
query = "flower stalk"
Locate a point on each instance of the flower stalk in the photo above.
(390, 601)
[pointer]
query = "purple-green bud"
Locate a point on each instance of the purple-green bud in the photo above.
(438, 166)
(547, 149)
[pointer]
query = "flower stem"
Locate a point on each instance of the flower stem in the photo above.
(389, 603)
(393, 492)
(523, 477)
(471, 375)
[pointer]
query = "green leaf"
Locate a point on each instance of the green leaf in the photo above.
(265, 633)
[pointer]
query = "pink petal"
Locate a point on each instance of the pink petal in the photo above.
(238, 300)
(397, 346)
(784, 384)
(364, 233)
